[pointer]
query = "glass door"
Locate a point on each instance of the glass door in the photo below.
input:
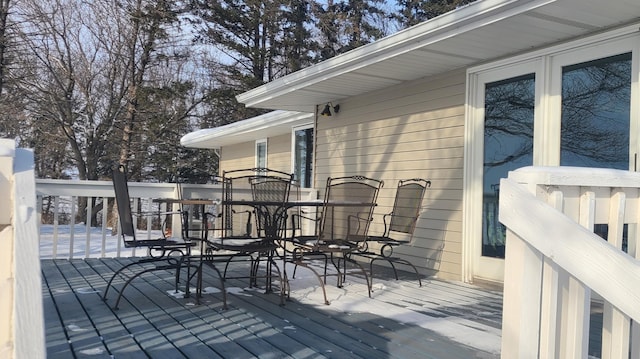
(502, 122)
(508, 145)
(585, 106)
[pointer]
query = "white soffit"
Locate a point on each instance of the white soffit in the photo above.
(479, 32)
(268, 125)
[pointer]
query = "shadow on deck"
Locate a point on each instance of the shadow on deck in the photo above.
(438, 320)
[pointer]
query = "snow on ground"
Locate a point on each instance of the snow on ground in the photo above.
(305, 289)
(61, 241)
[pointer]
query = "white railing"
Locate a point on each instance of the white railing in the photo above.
(22, 324)
(556, 266)
(58, 203)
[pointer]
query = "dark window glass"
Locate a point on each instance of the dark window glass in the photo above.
(508, 145)
(596, 102)
(303, 157)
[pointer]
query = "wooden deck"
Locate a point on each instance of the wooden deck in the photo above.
(402, 320)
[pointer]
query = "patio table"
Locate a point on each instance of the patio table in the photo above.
(274, 231)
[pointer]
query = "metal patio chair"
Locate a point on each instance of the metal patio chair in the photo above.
(164, 253)
(343, 222)
(251, 196)
(399, 226)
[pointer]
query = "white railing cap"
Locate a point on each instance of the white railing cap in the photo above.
(7, 147)
(575, 176)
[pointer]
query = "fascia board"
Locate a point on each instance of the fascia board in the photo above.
(468, 18)
(239, 131)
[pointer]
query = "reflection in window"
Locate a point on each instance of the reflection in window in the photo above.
(508, 145)
(303, 156)
(261, 154)
(595, 113)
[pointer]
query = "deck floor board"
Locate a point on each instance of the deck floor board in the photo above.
(401, 320)
(108, 327)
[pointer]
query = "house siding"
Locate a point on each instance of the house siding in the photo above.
(412, 130)
(242, 155)
(237, 156)
(279, 153)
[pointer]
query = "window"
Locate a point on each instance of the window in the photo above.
(261, 153)
(596, 98)
(302, 158)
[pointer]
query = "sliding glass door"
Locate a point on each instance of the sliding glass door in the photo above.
(569, 108)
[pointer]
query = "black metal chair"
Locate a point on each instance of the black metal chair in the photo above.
(164, 253)
(256, 195)
(399, 225)
(342, 223)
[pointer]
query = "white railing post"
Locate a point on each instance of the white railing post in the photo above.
(7, 266)
(7, 153)
(22, 324)
(616, 326)
(550, 302)
(521, 299)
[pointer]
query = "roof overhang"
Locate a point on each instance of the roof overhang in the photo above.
(268, 125)
(482, 31)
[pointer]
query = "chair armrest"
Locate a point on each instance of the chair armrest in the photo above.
(358, 219)
(296, 222)
(387, 224)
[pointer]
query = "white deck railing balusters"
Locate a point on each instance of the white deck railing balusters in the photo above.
(64, 196)
(556, 266)
(72, 224)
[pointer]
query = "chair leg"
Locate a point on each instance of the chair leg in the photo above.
(341, 275)
(178, 270)
(320, 278)
(116, 273)
(364, 272)
(392, 260)
(284, 282)
(129, 282)
(222, 285)
(395, 271)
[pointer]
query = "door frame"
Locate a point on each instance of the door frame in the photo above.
(485, 268)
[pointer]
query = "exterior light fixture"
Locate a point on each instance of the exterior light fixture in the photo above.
(327, 109)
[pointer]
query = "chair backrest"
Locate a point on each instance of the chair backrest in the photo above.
(406, 207)
(348, 208)
(123, 203)
(271, 187)
(266, 185)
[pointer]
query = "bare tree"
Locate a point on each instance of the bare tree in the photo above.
(4, 13)
(94, 76)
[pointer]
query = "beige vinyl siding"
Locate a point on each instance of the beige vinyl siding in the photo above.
(279, 153)
(243, 155)
(407, 131)
(238, 156)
